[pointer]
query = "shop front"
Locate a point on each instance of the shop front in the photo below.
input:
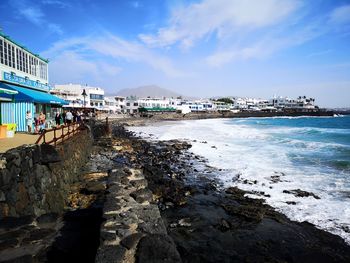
(27, 99)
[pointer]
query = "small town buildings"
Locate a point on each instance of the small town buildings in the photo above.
(110, 105)
(75, 96)
(131, 105)
(155, 105)
(120, 103)
(24, 85)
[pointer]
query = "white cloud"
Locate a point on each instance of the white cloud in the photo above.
(191, 23)
(34, 15)
(57, 3)
(135, 4)
(341, 15)
(85, 55)
(264, 47)
(54, 28)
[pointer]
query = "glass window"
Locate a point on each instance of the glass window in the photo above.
(26, 63)
(9, 55)
(17, 58)
(5, 53)
(1, 52)
(13, 57)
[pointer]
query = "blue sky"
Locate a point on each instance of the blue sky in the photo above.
(199, 48)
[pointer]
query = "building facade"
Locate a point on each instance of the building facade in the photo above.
(26, 74)
(74, 95)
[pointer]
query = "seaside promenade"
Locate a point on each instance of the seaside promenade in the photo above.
(18, 140)
(26, 138)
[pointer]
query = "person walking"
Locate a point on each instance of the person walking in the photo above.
(64, 117)
(42, 121)
(69, 117)
(29, 121)
(58, 119)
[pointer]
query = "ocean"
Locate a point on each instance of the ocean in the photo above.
(271, 156)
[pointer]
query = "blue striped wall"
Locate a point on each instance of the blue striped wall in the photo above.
(15, 112)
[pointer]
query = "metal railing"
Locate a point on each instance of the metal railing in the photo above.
(50, 136)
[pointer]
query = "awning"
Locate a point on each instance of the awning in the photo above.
(30, 95)
(8, 91)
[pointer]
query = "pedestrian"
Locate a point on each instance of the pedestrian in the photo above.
(74, 116)
(42, 121)
(29, 121)
(69, 117)
(78, 116)
(64, 117)
(36, 125)
(58, 119)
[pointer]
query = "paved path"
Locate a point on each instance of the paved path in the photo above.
(25, 138)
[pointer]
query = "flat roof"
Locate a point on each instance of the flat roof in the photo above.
(23, 47)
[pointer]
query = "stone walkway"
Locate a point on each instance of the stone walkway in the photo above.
(133, 230)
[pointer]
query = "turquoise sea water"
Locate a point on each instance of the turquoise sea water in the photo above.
(320, 142)
(307, 153)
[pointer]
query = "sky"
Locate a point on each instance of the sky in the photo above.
(202, 48)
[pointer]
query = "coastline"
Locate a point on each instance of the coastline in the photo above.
(211, 224)
(149, 119)
(143, 201)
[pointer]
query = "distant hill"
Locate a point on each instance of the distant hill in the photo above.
(145, 91)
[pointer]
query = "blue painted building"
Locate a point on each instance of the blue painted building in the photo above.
(24, 85)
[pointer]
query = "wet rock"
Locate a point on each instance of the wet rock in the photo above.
(142, 183)
(49, 154)
(38, 234)
(157, 248)
(185, 222)
(301, 193)
(235, 192)
(249, 212)
(110, 254)
(12, 222)
(224, 225)
(132, 240)
(47, 218)
(142, 195)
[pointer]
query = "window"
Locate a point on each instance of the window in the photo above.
(128, 104)
(136, 104)
(5, 53)
(26, 63)
(96, 97)
(1, 52)
(13, 56)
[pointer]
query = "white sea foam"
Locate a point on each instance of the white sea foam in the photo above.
(258, 154)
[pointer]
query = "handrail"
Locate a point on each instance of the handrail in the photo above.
(72, 129)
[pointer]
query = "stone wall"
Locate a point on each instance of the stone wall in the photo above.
(35, 179)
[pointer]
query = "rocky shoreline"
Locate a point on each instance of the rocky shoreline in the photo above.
(208, 223)
(142, 201)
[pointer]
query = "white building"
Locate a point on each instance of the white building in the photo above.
(73, 93)
(23, 85)
(120, 103)
(155, 104)
(131, 106)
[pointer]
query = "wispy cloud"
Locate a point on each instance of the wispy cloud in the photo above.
(135, 4)
(57, 3)
(79, 52)
(32, 14)
(340, 15)
(35, 15)
(320, 53)
(267, 44)
(193, 22)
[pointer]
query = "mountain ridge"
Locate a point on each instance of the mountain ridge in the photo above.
(148, 91)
